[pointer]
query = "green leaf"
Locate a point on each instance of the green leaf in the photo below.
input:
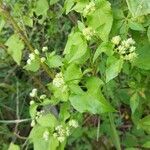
(146, 144)
(34, 66)
(47, 120)
(76, 47)
(148, 33)
(145, 123)
(143, 59)
(13, 146)
(138, 7)
(73, 73)
(88, 103)
(106, 47)
(52, 2)
(41, 7)
(54, 61)
(134, 102)
(91, 101)
(15, 47)
(101, 19)
(94, 84)
(68, 5)
(114, 69)
(136, 26)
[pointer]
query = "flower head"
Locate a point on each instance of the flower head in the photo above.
(88, 33)
(44, 49)
(73, 123)
(46, 135)
(116, 40)
(33, 93)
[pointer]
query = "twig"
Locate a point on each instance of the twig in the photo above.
(15, 121)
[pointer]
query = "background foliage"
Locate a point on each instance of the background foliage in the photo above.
(95, 93)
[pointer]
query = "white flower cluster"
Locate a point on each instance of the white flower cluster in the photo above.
(46, 135)
(73, 123)
(62, 132)
(125, 48)
(33, 93)
(31, 57)
(58, 81)
(89, 8)
(45, 49)
(88, 33)
(38, 115)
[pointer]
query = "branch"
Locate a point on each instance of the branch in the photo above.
(5, 12)
(14, 121)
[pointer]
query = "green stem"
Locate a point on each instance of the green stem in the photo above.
(115, 136)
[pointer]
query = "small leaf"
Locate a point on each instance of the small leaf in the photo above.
(41, 7)
(68, 5)
(136, 26)
(146, 144)
(52, 2)
(145, 123)
(114, 69)
(54, 61)
(15, 47)
(13, 146)
(148, 33)
(134, 102)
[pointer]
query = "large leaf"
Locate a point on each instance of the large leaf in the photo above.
(138, 7)
(114, 69)
(91, 101)
(105, 47)
(15, 47)
(76, 47)
(47, 120)
(73, 73)
(101, 20)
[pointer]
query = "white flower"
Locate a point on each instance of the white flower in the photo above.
(33, 93)
(43, 96)
(29, 61)
(73, 123)
(44, 49)
(58, 81)
(132, 49)
(61, 139)
(32, 123)
(43, 59)
(130, 41)
(36, 52)
(32, 56)
(32, 102)
(46, 135)
(116, 40)
(88, 33)
(67, 131)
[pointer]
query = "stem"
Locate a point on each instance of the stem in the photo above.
(14, 121)
(7, 15)
(115, 136)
